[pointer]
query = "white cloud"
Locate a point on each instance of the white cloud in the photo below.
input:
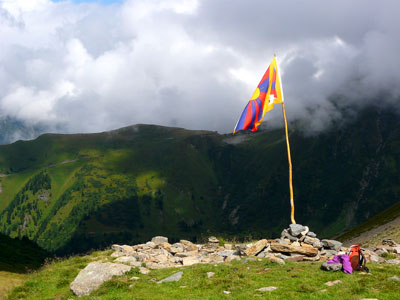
(189, 63)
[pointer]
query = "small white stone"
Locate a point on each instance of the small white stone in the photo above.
(227, 292)
(210, 274)
(267, 289)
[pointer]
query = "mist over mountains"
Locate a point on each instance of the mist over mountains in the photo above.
(87, 67)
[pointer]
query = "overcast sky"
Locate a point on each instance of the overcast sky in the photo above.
(89, 66)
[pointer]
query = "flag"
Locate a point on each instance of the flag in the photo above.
(267, 93)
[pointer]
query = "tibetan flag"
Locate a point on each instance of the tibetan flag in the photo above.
(268, 93)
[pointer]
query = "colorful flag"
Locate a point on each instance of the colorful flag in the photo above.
(268, 93)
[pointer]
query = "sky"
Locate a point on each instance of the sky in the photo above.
(90, 66)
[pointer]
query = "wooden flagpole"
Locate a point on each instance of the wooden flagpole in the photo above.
(288, 151)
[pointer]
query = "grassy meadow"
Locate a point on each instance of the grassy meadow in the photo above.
(301, 281)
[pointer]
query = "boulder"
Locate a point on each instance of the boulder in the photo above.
(257, 248)
(278, 247)
(159, 240)
(331, 266)
(94, 274)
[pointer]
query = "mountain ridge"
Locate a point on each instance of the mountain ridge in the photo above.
(143, 180)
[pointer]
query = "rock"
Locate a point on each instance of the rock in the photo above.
(286, 235)
(159, 240)
(151, 245)
(247, 260)
(232, 258)
(228, 246)
(315, 258)
(389, 242)
(331, 267)
(296, 244)
(328, 253)
(174, 277)
(210, 274)
(272, 258)
(395, 278)
(316, 243)
(129, 260)
(393, 261)
(278, 247)
(381, 251)
(134, 278)
(93, 275)
(226, 253)
(396, 249)
(144, 270)
(227, 292)
(311, 234)
(331, 283)
(331, 244)
(189, 246)
(304, 232)
(295, 258)
(297, 229)
(267, 289)
(257, 248)
(190, 260)
(213, 240)
(375, 258)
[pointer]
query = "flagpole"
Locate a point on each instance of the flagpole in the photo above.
(290, 166)
(288, 150)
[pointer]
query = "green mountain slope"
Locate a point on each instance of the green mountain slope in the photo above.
(71, 193)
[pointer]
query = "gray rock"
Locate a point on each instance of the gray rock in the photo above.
(395, 278)
(331, 244)
(174, 277)
(129, 260)
(226, 253)
(290, 237)
(296, 229)
(376, 259)
(331, 267)
(210, 274)
(328, 253)
(393, 261)
(316, 243)
(159, 240)
(381, 251)
(311, 234)
(93, 275)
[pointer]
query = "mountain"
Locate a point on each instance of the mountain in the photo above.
(72, 193)
(12, 130)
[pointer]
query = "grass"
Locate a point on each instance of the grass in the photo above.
(9, 280)
(299, 281)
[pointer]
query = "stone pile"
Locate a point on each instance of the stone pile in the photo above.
(297, 243)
